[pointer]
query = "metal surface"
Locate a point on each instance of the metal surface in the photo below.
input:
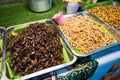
(113, 32)
(39, 5)
(3, 38)
(44, 71)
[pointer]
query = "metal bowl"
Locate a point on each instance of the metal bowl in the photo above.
(39, 5)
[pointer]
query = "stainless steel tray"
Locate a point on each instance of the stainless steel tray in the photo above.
(113, 32)
(115, 3)
(3, 50)
(44, 71)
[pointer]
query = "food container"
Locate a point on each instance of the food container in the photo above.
(15, 29)
(109, 14)
(39, 5)
(2, 52)
(107, 28)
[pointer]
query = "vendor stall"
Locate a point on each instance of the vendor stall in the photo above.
(60, 40)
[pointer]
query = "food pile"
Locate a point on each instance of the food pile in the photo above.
(110, 14)
(34, 48)
(84, 34)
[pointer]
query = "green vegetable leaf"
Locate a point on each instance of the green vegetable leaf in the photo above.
(19, 28)
(66, 57)
(77, 51)
(11, 73)
(67, 50)
(9, 60)
(102, 28)
(8, 53)
(62, 42)
(85, 2)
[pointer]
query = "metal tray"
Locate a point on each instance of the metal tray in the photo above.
(113, 32)
(47, 70)
(3, 50)
(115, 3)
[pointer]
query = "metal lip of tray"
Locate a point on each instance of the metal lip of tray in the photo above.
(113, 32)
(112, 49)
(3, 51)
(113, 28)
(110, 26)
(47, 70)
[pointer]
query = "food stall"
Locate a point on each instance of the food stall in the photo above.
(39, 40)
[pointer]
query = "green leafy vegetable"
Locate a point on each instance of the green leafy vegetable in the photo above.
(66, 57)
(104, 29)
(67, 50)
(11, 73)
(77, 51)
(19, 28)
(85, 2)
(69, 53)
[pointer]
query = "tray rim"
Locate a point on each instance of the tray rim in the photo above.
(3, 37)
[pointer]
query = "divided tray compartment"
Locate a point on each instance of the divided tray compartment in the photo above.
(115, 34)
(72, 58)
